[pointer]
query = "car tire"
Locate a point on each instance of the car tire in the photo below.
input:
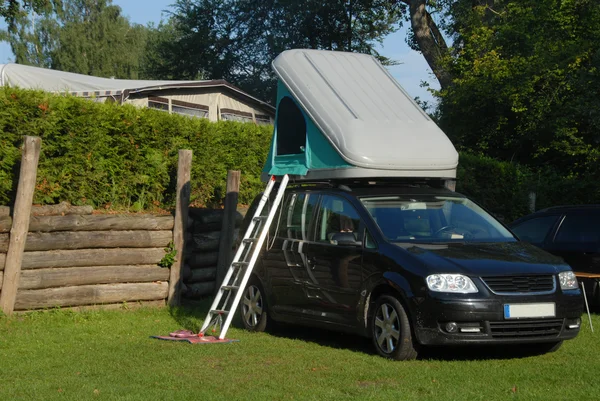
(253, 307)
(391, 331)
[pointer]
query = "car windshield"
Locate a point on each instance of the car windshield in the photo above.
(434, 219)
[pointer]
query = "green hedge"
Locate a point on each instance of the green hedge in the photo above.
(504, 187)
(123, 157)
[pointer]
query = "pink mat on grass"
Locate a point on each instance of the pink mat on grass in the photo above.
(188, 336)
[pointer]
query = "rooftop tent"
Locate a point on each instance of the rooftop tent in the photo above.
(342, 115)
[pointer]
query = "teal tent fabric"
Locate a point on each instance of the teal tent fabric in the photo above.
(318, 153)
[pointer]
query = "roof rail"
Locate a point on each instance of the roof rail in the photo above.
(371, 182)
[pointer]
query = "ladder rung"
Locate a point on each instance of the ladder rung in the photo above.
(260, 218)
(219, 312)
(249, 240)
(230, 287)
(239, 264)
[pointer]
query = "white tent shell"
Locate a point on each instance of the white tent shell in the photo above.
(365, 115)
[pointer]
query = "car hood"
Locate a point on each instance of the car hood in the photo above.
(499, 258)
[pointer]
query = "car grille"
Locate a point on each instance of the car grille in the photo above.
(520, 284)
(526, 328)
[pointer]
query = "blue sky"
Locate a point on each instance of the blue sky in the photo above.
(410, 72)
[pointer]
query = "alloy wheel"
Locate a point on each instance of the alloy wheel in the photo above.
(252, 306)
(387, 324)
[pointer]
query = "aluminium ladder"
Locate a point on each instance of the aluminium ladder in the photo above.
(238, 274)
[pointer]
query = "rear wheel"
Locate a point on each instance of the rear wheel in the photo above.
(391, 331)
(253, 307)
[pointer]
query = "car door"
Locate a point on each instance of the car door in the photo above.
(333, 261)
(577, 241)
(284, 264)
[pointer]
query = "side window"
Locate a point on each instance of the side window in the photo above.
(296, 215)
(336, 215)
(369, 241)
(579, 228)
(536, 229)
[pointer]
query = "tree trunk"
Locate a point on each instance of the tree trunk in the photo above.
(95, 223)
(63, 240)
(73, 276)
(91, 295)
(430, 40)
(92, 257)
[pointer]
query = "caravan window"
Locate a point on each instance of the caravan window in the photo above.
(189, 109)
(236, 115)
(262, 119)
(291, 128)
(159, 103)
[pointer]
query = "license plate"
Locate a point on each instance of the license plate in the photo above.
(521, 311)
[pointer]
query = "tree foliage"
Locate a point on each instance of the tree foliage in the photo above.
(526, 82)
(15, 10)
(84, 36)
(237, 39)
(194, 43)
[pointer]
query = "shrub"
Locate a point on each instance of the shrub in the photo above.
(504, 187)
(123, 157)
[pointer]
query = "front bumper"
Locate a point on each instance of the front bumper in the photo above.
(481, 321)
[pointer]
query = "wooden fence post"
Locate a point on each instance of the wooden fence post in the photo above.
(184, 168)
(20, 226)
(228, 226)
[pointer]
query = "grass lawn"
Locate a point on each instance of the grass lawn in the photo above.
(109, 355)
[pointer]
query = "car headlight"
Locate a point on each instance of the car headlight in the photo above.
(451, 283)
(568, 281)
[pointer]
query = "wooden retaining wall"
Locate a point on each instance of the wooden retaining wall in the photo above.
(77, 260)
(64, 256)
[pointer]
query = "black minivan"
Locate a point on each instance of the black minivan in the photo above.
(407, 265)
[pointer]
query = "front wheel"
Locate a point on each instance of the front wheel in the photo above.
(391, 331)
(253, 307)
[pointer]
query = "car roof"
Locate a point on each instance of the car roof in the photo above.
(556, 210)
(569, 208)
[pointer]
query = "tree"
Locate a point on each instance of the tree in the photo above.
(526, 82)
(194, 43)
(15, 10)
(426, 35)
(237, 39)
(84, 36)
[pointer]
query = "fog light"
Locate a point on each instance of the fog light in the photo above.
(575, 325)
(451, 327)
(470, 330)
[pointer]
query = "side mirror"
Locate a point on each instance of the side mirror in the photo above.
(345, 239)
